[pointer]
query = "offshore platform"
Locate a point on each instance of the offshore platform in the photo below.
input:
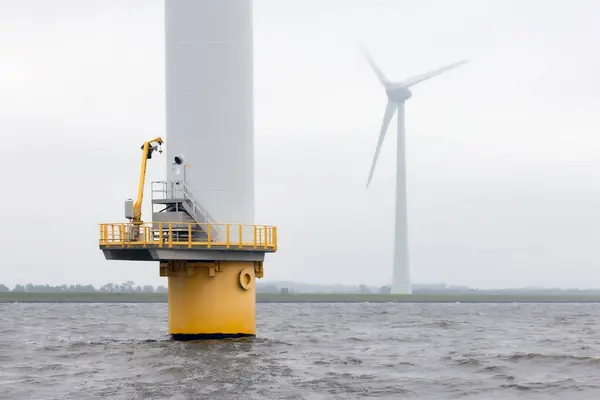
(202, 235)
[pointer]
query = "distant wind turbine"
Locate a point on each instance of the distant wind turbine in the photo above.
(397, 93)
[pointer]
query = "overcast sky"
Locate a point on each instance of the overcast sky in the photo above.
(502, 153)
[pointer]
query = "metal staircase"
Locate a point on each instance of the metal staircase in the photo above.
(179, 204)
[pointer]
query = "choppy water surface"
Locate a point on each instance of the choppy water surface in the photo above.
(305, 351)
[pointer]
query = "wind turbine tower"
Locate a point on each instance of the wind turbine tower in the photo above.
(202, 236)
(397, 94)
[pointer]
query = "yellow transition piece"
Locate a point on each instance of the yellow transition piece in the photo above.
(211, 299)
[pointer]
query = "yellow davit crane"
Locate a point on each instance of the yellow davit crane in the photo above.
(133, 211)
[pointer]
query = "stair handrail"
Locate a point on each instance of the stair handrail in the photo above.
(187, 192)
(172, 189)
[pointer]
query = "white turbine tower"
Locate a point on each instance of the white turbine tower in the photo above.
(397, 94)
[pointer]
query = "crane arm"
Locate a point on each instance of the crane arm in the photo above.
(147, 149)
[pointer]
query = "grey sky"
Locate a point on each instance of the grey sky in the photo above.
(502, 152)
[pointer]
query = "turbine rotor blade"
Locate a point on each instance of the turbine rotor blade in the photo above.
(382, 78)
(390, 109)
(420, 78)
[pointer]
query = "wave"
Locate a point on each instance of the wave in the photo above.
(516, 357)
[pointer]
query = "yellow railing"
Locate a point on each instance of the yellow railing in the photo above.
(190, 235)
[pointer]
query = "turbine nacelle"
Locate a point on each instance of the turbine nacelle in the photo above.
(398, 94)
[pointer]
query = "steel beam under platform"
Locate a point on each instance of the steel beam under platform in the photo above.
(157, 254)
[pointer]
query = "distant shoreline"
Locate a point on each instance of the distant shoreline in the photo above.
(100, 298)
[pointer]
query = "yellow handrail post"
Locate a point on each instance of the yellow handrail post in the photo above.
(121, 235)
(160, 234)
(208, 236)
(240, 235)
(227, 235)
(170, 235)
(190, 235)
(267, 236)
(254, 236)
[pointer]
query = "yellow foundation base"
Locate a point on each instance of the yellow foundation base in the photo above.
(211, 299)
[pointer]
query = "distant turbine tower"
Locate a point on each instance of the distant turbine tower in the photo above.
(397, 94)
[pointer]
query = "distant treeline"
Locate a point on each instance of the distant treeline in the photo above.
(424, 289)
(298, 288)
(126, 287)
(131, 287)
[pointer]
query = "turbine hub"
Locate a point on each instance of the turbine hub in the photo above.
(398, 93)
